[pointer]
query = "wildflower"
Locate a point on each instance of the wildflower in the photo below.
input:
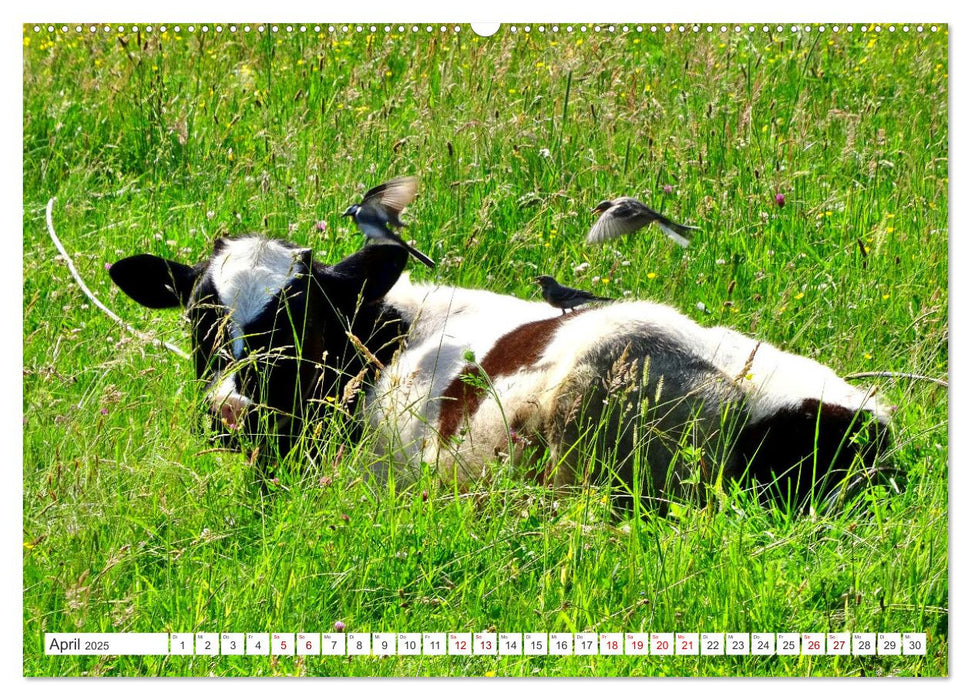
(104, 411)
(668, 189)
(107, 266)
(780, 199)
(339, 626)
(345, 517)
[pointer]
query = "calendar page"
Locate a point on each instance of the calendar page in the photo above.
(485, 350)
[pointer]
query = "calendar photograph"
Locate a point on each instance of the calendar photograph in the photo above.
(518, 350)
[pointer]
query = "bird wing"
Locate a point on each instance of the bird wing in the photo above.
(569, 295)
(393, 195)
(626, 216)
(629, 215)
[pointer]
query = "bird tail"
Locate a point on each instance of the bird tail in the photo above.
(679, 233)
(420, 257)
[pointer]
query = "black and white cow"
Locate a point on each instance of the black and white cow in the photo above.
(462, 379)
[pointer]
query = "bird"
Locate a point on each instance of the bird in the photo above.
(626, 215)
(380, 211)
(563, 298)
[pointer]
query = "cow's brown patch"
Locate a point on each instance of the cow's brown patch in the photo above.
(520, 347)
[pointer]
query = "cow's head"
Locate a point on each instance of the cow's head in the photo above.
(269, 325)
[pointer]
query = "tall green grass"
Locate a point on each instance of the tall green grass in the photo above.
(158, 143)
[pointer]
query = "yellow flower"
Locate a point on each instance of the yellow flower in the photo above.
(651, 275)
(867, 356)
(800, 295)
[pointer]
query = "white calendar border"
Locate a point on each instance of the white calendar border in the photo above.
(12, 649)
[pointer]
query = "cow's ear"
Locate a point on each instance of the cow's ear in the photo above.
(153, 281)
(367, 275)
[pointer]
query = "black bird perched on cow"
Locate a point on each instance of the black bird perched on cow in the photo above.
(563, 298)
(380, 212)
(625, 215)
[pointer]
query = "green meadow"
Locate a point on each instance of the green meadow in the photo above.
(815, 164)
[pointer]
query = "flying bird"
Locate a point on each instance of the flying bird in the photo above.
(625, 215)
(380, 212)
(563, 298)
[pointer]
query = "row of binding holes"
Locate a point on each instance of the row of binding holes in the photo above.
(414, 29)
(261, 28)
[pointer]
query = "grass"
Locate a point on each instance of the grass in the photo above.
(161, 142)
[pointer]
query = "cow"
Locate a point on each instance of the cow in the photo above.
(462, 381)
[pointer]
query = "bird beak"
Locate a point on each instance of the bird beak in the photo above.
(350, 210)
(599, 209)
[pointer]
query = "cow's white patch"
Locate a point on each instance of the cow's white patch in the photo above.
(247, 273)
